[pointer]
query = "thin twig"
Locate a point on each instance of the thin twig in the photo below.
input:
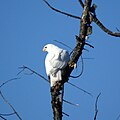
(96, 106)
(3, 117)
(71, 103)
(63, 44)
(10, 106)
(48, 81)
(80, 89)
(23, 68)
(81, 3)
(33, 72)
(65, 114)
(89, 45)
(8, 81)
(117, 29)
(70, 15)
(6, 114)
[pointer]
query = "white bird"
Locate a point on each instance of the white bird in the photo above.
(56, 60)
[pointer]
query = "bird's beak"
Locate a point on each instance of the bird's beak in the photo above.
(44, 49)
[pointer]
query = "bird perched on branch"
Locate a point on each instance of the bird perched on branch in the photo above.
(56, 60)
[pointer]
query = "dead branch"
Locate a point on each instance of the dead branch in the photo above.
(81, 89)
(93, 17)
(71, 103)
(97, 21)
(81, 42)
(33, 72)
(88, 16)
(106, 30)
(56, 104)
(8, 81)
(96, 107)
(15, 112)
(65, 114)
(89, 45)
(57, 101)
(6, 114)
(81, 3)
(2, 117)
(63, 44)
(117, 29)
(70, 15)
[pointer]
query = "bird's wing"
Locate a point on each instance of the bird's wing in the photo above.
(48, 66)
(60, 59)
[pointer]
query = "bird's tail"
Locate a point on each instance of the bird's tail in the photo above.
(55, 78)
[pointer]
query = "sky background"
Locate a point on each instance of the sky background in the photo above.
(26, 26)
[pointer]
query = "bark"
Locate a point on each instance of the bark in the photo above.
(55, 91)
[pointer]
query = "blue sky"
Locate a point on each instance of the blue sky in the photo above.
(26, 26)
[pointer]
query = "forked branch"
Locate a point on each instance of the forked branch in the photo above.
(88, 16)
(23, 68)
(56, 103)
(94, 19)
(15, 112)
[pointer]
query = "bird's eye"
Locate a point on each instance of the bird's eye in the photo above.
(45, 47)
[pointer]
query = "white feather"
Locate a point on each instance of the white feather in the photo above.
(55, 61)
(53, 79)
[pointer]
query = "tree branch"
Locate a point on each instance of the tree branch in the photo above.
(56, 103)
(2, 117)
(97, 21)
(81, 89)
(94, 18)
(8, 81)
(71, 103)
(70, 15)
(15, 112)
(87, 17)
(33, 72)
(96, 108)
(6, 114)
(81, 3)
(57, 100)
(55, 93)
(106, 30)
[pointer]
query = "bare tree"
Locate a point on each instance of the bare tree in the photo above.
(57, 92)
(88, 16)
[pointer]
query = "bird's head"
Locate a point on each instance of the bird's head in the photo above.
(49, 47)
(45, 48)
